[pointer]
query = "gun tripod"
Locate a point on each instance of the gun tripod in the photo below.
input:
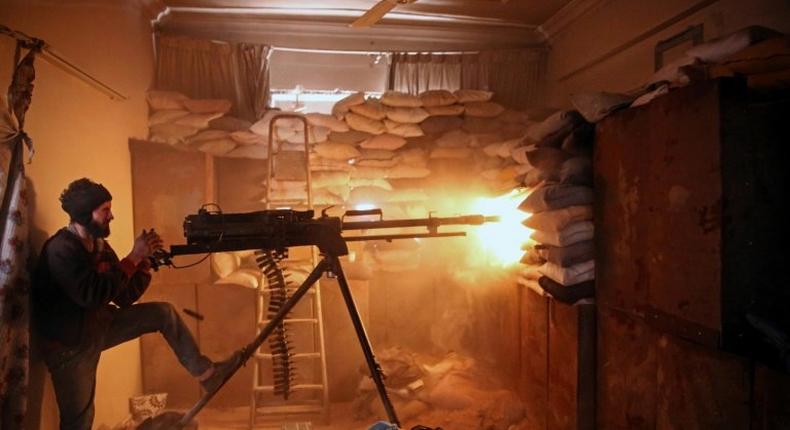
(328, 263)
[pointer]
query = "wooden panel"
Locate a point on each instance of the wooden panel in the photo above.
(162, 373)
(163, 195)
(563, 366)
(240, 184)
(229, 324)
(771, 400)
(626, 372)
(700, 388)
(661, 163)
(534, 358)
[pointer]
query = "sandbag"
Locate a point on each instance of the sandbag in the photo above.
(574, 232)
(368, 194)
(343, 105)
(217, 146)
(329, 121)
(208, 135)
(375, 154)
(329, 178)
(336, 150)
(197, 120)
(595, 106)
(566, 256)
(372, 182)
(451, 110)
(400, 99)
(171, 133)
(481, 125)
(483, 109)
(362, 123)
(372, 109)
(351, 136)
(720, 48)
(572, 275)
(433, 98)
(454, 139)
(558, 219)
(224, 263)
(511, 116)
(386, 141)
(207, 105)
(406, 171)
(283, 127)
(407, 115)
(558, 124)
(467, 96)
(160, 100)
(451, 153)
(416, 157)
(248, 138)
(557, 197)
(229, 123)
(258, 152)
(166, 116)
(547, 159)
(580, 141)
(376, 163)
(578, 171)
(569, 294)
(249, 278)
(404, 130)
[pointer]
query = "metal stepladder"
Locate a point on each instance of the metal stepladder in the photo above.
(271, 390)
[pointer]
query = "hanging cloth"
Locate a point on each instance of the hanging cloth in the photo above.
(14, 245)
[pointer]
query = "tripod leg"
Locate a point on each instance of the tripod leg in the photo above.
(375, 369)
(249, 350)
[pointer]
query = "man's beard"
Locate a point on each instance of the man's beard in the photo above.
(97, 230)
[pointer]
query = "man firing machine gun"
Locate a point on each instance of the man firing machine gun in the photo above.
(272, 232)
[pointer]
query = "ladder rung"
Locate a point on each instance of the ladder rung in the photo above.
(289, 409)
(297, 387)
(290, 320)
(264, 355)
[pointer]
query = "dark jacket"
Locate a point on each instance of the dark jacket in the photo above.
(73, 289)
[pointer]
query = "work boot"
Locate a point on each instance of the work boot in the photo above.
(222, 371)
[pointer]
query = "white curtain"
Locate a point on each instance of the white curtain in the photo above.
(238, 72)
(516, 76)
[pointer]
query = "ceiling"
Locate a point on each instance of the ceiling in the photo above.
(323, 24)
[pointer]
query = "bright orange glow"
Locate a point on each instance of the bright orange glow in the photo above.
(502, 240)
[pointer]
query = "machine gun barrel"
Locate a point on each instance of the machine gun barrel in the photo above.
(431, 223)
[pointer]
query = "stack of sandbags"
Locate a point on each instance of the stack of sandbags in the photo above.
(560, 262)
(182, 122)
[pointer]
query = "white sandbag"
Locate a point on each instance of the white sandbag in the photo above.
(207, 105)
(519, 153)
(278, 184)
(319, 163)
(372, 109)
(675, 71)
(284, 126)
(451, 110)
(249, 278)
(506, 148)
(329, 178)
(362, 123)
(343, 105)
(257, 152)
(407, 115)
(434, 98)
(385, 141)
(376, 163)
(248, 138)
(376, 182)
(454, 139)
(649, 96)
(557, 197)
(402, 171)
(160, 100)
(483, 109)
(572, 275)
(492, 149)
(224, 263)
(575, 232)
(325, 120)
(556, 220)
(455, 153)
(404, 130)
(208, 135)
(720, 48)
(336, 150)
(399, 99)
(229, 123)
(171, 134)
(375, 154)
(595, 106)
(474, 124)
(415, 157)
(326, 198)
(466, 96)
(369, 173)
(483, 139)
(217, 146)
(197, 120)
(561, 120)
(351, 136)
(343, 191)
(165, 116)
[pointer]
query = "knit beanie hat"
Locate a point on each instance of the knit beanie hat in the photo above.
(81, 198)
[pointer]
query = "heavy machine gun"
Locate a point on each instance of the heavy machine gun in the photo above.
(273, 232)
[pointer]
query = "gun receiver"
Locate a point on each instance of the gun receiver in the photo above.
(279, 229)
